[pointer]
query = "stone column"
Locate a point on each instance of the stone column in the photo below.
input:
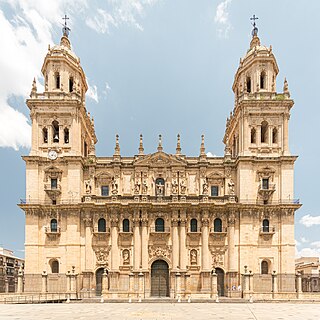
(299, 284)
(6, 284)
(137, 244)
(73, 284)
(88, 238)
(141, 284)
(245, 136)
(44, 282)
(178, 284)
(20, 281)
(105, 283)
(274, 284)
(214, 284)
(258, 135)
(187, 284)
(144, 242)
(205, 243)
(114, 243)
(68, 274)
(246, 283)
(285, 134)
(183, 247)
(131, 283)
(231, 246)
(175, 241)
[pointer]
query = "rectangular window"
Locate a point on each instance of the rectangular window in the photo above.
(54, 183)
(105, 191)
(214, 191)
(265, 183)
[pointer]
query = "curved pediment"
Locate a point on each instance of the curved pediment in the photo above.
(160, 159)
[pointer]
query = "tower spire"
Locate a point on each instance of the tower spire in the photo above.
(178, 148)
(65, 30)
(160, 143)
(117, 147)
(141, 149)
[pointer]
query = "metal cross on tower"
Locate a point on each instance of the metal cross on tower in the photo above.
(65, 29)
(255, 29)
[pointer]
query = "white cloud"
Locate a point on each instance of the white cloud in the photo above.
(92, 93)
(210, 155)
(316, 244)
(310, 221)
(304, 240)
(25, 35)
(222, 19)
(119, 12)
(107, 89)
(308, 252)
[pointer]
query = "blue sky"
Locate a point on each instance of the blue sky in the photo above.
(159, 67)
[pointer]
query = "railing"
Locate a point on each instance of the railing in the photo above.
(271, 187)
(49, 187)
(127, 231)
(191, 230)
(160, 230)
(223, 231)
(101, 232)
(49, 231)
(267, 229)
(35, 298)
(186, 199)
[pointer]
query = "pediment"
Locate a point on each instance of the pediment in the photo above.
(215, 175)
(160, 159)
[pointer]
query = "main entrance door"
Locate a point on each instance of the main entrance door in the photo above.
(99, 274)
(220, 281)
(160, 279)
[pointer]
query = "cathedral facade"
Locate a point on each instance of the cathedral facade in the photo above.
(160, 224)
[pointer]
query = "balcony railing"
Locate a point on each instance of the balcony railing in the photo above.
(267, 230)
(49, 187)
(96, 231)
(160, 230)
(50, 231)
(222, 232)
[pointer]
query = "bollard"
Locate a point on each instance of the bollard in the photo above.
(102, 300)
(217, 298)
(68, 299)
(189, 298)
(179, 298)
(139, 298)
(251, 298)
(130, 298)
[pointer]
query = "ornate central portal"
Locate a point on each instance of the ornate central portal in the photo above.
(160, 279)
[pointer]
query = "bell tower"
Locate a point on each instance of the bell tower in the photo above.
(257, 128)
(63, 134)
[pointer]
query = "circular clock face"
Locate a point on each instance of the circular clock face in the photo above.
(52, 155)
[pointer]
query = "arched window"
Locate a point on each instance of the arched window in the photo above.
(55, 266)
(159, 187)
(265, 225)
(45, 135)
(66, 135)
(274, 135)
(159, 225)
(264, 132)
(262, 80)
(57, 80)
(53, 225)
(55, 130)
(194, 225)
(125, 225)
(248, 83)
(264, 267)
(253, 135)
(102, 225)
(217, 225)
(71, 84)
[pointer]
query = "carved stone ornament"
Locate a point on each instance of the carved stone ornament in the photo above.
(160, 252)
(126, 257)
(217, 257)
(52, 173)
(193, 257)
(102, 255)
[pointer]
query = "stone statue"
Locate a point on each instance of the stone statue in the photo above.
(205, 187)
(193, 256)
(144, 187)
(137, 187)
(174, 186)
(126, 256)
(159, 189)
(114, 186)
(183, 186)
(231, 187)
(88, 186)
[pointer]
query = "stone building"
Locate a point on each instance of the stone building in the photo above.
(10, 269)
(160, 224)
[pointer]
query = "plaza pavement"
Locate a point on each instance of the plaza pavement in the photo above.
(161, 311)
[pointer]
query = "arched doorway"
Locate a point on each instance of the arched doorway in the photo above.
(220, 281)
(99, 276)
(160, 279)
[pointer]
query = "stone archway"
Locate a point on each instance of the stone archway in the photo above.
(220, 281)
(159, 279)
(99, 279)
